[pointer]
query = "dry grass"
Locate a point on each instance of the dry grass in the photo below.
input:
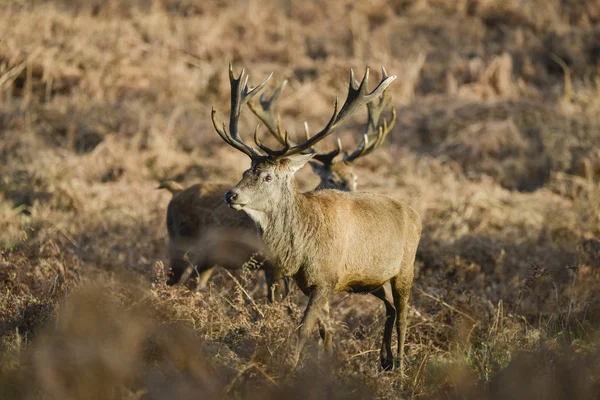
(497, 146)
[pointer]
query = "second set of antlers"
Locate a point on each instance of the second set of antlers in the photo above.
(376, 101)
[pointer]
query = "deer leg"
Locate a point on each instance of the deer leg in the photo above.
(176, 269)
(314, 311)
(196, 277)
(401, 294)
(273, 290)
(325, 330)
(286, 287)
(386, 355)
(203, 278)
(278, 288)
(401, 285)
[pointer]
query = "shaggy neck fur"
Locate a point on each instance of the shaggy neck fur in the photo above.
(286, 228)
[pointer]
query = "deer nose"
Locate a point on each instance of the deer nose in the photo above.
(230, 196)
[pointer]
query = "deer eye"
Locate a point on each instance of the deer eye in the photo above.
(268, 178)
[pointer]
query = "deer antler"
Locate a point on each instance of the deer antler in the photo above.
(240, 95)
(266, 113)
(324, 158)
(375, 109)
(357, 97)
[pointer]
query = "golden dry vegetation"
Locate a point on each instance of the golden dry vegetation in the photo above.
(497, 146)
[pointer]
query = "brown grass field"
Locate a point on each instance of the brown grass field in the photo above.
(497, 146)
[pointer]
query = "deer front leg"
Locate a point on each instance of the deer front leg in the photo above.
(317, 302)
(177, 268)
(276, 288)
(203, 278)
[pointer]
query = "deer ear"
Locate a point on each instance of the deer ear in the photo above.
(297, 161)
(316, 166)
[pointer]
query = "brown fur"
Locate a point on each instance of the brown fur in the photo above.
(331, 241)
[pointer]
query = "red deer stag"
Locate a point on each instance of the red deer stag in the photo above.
(329, 241)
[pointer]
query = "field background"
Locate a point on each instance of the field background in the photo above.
(497, 146)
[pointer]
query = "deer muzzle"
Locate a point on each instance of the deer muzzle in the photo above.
(232, 199)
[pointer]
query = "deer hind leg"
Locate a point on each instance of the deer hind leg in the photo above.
(401, 291)
(401, 285)
(386, 354)
(325, 330)
(317, 302)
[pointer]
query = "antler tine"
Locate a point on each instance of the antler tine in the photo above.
(375, 109)
(307, 136)
(250, 152)
(383, 131)
(357, 97)
(359, 151)
(270, 152)
(266, 112)
(240, 94)
(354, 84)
(325, 158)
(364, 147)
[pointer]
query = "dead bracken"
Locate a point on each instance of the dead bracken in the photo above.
(495, 144)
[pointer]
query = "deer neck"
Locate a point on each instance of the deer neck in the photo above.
(284, 229)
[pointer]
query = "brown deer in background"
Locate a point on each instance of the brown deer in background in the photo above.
(329, 241)
(198, 216)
